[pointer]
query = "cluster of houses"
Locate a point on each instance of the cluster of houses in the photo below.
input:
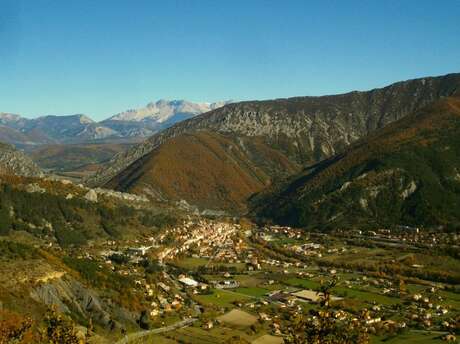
(406, 235)
(426, 308)
(203, 238)
(270, 233)
(283, 264)
(291, 233)
(226, 284)
(307, 249)
(223, 242)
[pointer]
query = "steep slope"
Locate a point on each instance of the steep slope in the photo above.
(405, 174)
(45, 226)
(13, 161)
(68, 214)
(207, 169)
(303, 130)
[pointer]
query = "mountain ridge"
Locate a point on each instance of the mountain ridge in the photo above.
(305, 130)
(404, 174)
(79, 128)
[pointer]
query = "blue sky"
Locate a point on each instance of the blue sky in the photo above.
(100, 57)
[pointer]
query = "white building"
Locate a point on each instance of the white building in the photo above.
(188, 282)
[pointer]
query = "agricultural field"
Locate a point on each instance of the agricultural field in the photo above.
(222, 298)
(252, 291)
(196, 335)
(237, 317)
(256, 299)
(268, 339)
(409, 338)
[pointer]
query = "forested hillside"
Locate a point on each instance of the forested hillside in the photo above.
(406, 174)
(64, 214)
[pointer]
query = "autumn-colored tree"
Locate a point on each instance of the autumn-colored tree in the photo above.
(236, 340)
(402, 287)
(59, 330)
(14, 328)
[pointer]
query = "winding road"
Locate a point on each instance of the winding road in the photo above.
(137, 335)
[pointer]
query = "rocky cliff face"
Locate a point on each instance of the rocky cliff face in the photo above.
(13, 161)
(404, 174)
(304, 129)
(69, 296)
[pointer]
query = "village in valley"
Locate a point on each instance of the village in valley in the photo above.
(218, 281)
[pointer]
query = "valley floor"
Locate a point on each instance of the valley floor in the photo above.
(206, 281)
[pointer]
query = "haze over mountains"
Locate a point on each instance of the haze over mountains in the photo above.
(221, 158)
(80, 128)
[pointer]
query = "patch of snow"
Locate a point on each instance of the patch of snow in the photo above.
(162, 110)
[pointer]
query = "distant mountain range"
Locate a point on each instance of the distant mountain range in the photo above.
(80, 128)
(220, 158)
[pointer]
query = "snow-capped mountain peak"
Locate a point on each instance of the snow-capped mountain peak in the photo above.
(162, 110)
(142, 122)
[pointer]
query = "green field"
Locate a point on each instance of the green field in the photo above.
(196, 335)
(452, 299)
(366, 296)
(410, 338)
(351, 293)
(302, 283)
(221, 298)
(252, 280)
(286, 240)
(254, 291)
